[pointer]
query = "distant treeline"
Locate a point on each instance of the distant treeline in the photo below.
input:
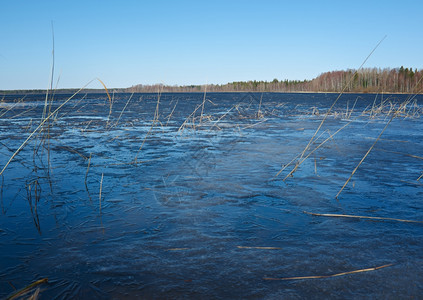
(68, 91)
(369, 80)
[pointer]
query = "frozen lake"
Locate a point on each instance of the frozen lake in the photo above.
(189, 196)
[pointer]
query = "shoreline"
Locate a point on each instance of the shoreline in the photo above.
(124, 91)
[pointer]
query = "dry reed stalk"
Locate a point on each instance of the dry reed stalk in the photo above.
(127, 102)
(388, 140)
(155, 119)
(22, 113)
(99, 194)
(113, 138)
(48, 104)
(110, 99)
(259, 248)
(334, 142)
(70, 149)
(212, 103)
(79, 109)
(89, 122)
(352, 109)
(252, 125)
(305, 158)
(51, 74)
(26, 289)
(190, 116)
(329, 276)
(40, 126)
(88, 168)
(286, 166)
(161, 125)
(301, 161)
(401, 153)
(237, 109)
(171, 113)
(361, 217)
(412, 182)
(346, 112)
(416, 110)
(34, 185)
(79, 101)
(333, 104)
(13, 106)
(177, 249)
(364, 157)
(1, 195)
(28, 126)
(315, 165)
(202, 107)
(373, 107)
(259, 113)
(221, 117)
(35, 295)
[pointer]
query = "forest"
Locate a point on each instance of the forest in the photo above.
(367, 80)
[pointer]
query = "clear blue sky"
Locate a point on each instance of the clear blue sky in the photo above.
(194, 42)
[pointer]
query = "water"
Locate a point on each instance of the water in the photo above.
(190, 218)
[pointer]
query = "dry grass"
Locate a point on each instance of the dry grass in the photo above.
(154, 122)
(178, 249)
(27, 289)
(40, 126)
(99, 194)
(362, 217)
(329, 276)
(328, 113)
(259, 248)
(120, 115)
(363, 158)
